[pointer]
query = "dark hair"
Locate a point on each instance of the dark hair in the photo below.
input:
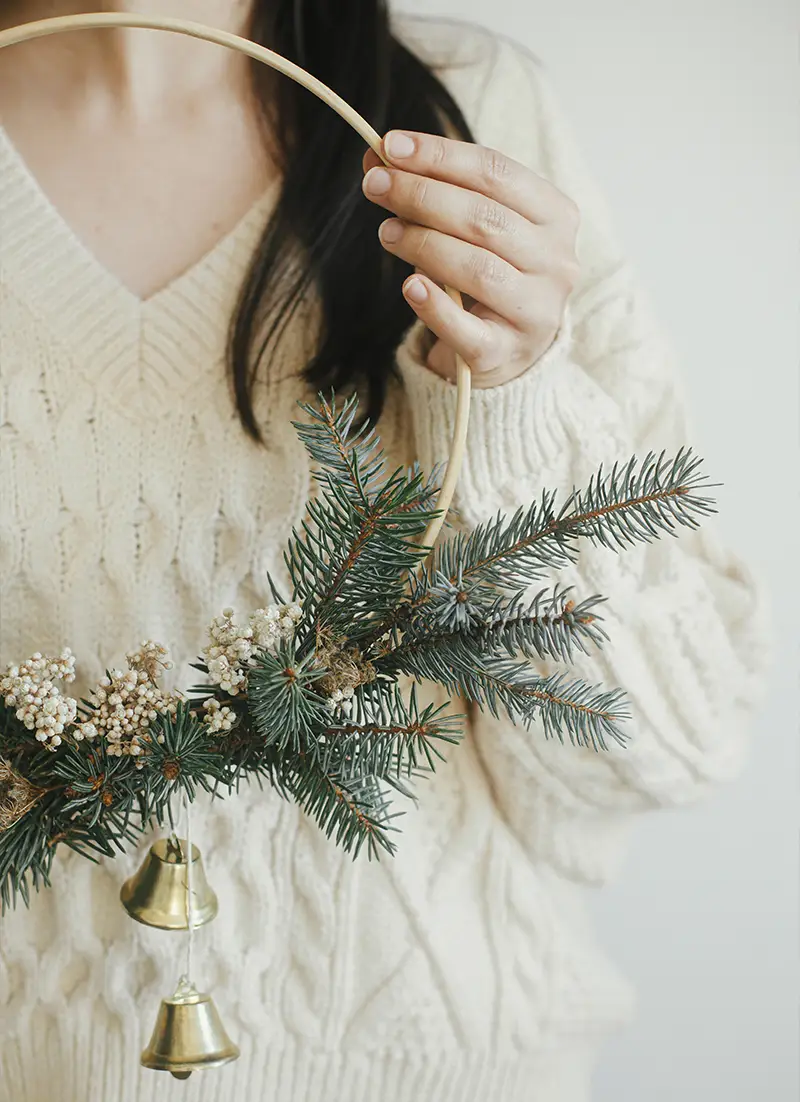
(321, 210)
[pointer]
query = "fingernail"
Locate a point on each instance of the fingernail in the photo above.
(399, 144)
(416, 290)
(391, 231)
(377, 181)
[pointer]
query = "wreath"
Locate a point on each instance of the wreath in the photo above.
(305, 694)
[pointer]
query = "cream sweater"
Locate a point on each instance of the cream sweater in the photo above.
(132, 505)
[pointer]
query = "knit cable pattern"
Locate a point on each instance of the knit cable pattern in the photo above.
(132, 505)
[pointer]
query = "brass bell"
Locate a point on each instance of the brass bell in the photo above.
(157, 894)
(188, 1035)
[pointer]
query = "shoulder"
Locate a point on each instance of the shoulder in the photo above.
(501, 86)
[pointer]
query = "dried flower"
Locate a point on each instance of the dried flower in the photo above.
(219, 717)
(232, 645)
(229, 678)
(275, 622)
(347, 668)
(341, 700)
(230, 648)
(124, 706)
(151, 658)
(17, 796)
(31, 691)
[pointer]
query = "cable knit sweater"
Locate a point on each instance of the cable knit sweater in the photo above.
(132, 505)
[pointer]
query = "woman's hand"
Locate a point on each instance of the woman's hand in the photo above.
(476, 220)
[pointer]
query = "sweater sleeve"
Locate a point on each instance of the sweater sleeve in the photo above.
(685, 617)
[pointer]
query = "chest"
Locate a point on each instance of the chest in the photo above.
(134, 504)
(148, 200)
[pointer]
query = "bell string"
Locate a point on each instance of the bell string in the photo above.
(189, 892)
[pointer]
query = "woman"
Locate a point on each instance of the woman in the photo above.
(185, 253)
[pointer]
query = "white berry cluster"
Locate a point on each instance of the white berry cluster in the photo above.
(275, 622)
(219, 717)
(125, 704)
(232, 645)
(31, 690)
(151, 658)
(341, 699)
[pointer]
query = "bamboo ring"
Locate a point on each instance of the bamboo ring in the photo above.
(96, 21)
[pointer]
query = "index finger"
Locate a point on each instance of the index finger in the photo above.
(476, 168)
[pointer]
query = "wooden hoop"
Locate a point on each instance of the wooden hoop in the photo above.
(42, 28)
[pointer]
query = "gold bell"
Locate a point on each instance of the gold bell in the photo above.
(188, 1035)
(157, 894)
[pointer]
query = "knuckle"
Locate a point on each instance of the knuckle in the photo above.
(485, 355)
(550, 315)
(419, 193)
(572, 214)
(422, 242)
(571, 271)
(495, 166)
(487, 270)
(438, 151)
(488, 219)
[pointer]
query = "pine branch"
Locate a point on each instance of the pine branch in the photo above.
(552, 625)
(589, 715)
(349, 566)
(385, 737)
(349, 561)
(350, 458)
(353, 812)
(79, 817)
(633, 503)
(507, 552)
(183, 756)
(26, 857)
(93, 782)
(285, 707)
(639, 503)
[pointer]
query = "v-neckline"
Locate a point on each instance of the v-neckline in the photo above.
(90, 262)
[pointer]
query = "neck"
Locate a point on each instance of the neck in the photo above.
(139, 69)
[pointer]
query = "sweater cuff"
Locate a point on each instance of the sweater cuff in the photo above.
(512, 427)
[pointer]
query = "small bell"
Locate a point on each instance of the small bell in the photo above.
(188, 1035)
(157, 894)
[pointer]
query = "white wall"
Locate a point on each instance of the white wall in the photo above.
(688, 114)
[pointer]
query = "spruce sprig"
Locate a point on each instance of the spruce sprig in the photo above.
(26, 857)
(348, 564)
(354, 811)
(285, 708)
(588, 715)
(349, 457)
(385, 736)
(634, 502)
(325, 719)
(639, 502)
